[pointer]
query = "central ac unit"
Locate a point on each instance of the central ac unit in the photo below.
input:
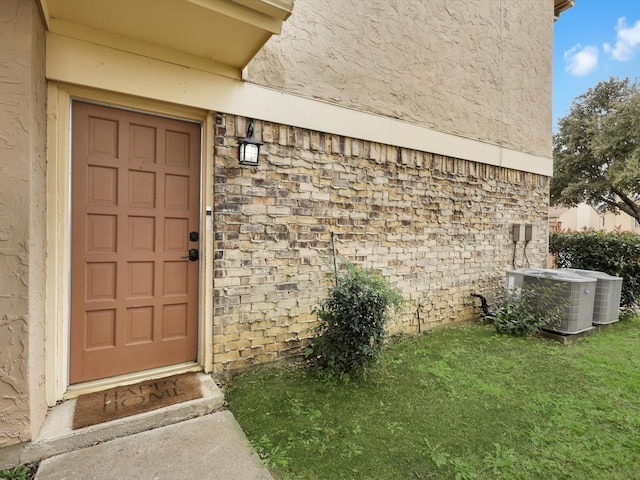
(515, 278)
(575, 292)
(606, 307)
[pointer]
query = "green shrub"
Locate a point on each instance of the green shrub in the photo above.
(614, 253)
(351, 331)
(530, 309)
(20, 472)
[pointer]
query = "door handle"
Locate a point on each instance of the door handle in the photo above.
(194, 255)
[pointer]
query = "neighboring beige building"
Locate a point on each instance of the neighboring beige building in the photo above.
(585, 217)
(415, 134)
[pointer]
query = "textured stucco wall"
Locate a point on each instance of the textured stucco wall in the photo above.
(480, 69)
(22, 209)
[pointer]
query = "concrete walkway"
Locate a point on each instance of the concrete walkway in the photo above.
(208, 447)
(189, 440)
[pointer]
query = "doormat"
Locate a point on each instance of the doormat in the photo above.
(118, 402)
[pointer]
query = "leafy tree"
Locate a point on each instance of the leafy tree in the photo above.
(596, 151)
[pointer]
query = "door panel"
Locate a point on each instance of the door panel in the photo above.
(135, 198)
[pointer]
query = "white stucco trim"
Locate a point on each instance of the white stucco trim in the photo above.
(85, 63)
(58, 244)
(58, 276)
(207, 234)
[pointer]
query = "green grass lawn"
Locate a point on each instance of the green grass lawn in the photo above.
(461, 402)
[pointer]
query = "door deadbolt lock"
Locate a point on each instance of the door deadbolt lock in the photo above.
(193, 255)
(194, 236)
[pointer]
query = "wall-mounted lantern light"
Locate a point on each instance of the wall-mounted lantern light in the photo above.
(249, 148)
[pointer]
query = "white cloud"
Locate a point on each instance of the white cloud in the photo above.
(627, 39)
(581, 60)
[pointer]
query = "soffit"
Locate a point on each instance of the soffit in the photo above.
(560, 6)
(226, 32)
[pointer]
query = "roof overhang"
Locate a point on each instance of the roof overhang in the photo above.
(227, 33)
(560, 6)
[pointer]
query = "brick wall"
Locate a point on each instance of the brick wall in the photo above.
(437, 228)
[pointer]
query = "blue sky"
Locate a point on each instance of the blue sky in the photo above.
(594, 40)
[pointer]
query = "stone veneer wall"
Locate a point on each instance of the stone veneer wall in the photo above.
(438, 228)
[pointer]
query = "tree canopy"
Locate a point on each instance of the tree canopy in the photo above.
(596, 151)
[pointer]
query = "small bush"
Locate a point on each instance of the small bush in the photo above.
(20, 472)
(351, 331)
(614, 253)
(530, 309)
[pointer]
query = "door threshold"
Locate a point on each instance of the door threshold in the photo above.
(58, 436)
(104, 383)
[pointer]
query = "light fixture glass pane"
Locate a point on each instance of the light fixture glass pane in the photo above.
(251, 153)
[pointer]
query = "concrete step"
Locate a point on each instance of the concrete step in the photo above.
(571, 338)
(211, 447)
(57, 436)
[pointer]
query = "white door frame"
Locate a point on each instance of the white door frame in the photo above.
(58, 264)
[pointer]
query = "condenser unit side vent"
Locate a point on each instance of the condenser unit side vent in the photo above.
(606, 308)
(577, 295)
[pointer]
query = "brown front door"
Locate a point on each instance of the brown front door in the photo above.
(135, 204)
